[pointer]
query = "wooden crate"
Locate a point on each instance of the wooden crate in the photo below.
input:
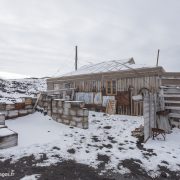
(2, 106)
(12, 114)
(2, 119)
(19, 106)
(8, 138)
(23, 112)
(28, 101)
(10, 107)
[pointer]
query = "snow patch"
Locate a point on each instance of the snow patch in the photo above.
(108, 136)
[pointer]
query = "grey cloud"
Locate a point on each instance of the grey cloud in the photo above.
(38, 37)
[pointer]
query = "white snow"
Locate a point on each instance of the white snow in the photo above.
(168, 150)
(107, 135)
(31, 177)
(2, 126)
(13, 90)
(5, 132)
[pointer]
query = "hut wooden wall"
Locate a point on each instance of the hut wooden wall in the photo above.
(96, 85)
(147, 78)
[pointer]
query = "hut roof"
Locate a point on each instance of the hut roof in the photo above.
(106, 66)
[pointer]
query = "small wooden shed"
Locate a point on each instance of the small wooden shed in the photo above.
(97, 83)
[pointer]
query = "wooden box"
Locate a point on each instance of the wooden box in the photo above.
(8, 138)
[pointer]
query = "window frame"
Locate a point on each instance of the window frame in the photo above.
(56, 86)
(111, 87)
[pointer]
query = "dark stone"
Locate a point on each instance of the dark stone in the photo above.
(107, 127)
(163, 174)
(71, 151)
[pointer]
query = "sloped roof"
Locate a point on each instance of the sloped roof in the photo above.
(106, 66)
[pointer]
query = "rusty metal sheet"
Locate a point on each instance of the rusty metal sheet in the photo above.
(122, 98)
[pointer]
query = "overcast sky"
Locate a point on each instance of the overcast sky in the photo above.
(37, 37)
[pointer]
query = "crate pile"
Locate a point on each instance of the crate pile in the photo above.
(70, 113)
(8, 138)
(18, 109)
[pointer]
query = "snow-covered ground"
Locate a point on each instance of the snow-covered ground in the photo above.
(107, 135)
(12, 90)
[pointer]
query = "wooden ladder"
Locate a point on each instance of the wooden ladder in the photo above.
(35, 105)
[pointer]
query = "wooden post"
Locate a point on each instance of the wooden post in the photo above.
(157, 58)
(130, 100)
(51, 106)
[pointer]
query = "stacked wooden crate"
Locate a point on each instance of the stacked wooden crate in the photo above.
(8, 138)
(45, 102)
(14, 110)
(170, 91)
(2, 119)
(70, 113)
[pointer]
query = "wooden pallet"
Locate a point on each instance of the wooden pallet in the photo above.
(171, 96)
(111, 107)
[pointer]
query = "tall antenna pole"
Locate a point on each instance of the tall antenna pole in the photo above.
(157, 58)
(76, 57)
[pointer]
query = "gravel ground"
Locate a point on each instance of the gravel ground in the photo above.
(70, 170)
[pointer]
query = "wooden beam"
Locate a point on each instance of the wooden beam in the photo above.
(174, 115)
(172, 107)
(171, 95)
(172, 102)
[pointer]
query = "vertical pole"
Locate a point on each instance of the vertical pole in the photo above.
(157, 58)
(51, 106)
(76, 57)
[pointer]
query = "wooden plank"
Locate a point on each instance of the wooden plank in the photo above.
(111, 107)
(171, 91)
(146, 115)
(171, 78)
(172, 102)
(174, 115)
(171, 95)
(172, 107)
(170, 87)
(171, 82)
(164, 86)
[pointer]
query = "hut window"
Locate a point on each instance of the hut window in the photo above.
(67, 85)
(108, 87)
(56, 86)
(111, 87)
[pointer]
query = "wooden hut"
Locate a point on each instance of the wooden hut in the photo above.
(117, 80)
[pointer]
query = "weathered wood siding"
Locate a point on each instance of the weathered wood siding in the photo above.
(149, 115)
(123, 84)
(149, 78)
(96, 84)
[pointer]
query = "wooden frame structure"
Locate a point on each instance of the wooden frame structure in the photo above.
(127, 80)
